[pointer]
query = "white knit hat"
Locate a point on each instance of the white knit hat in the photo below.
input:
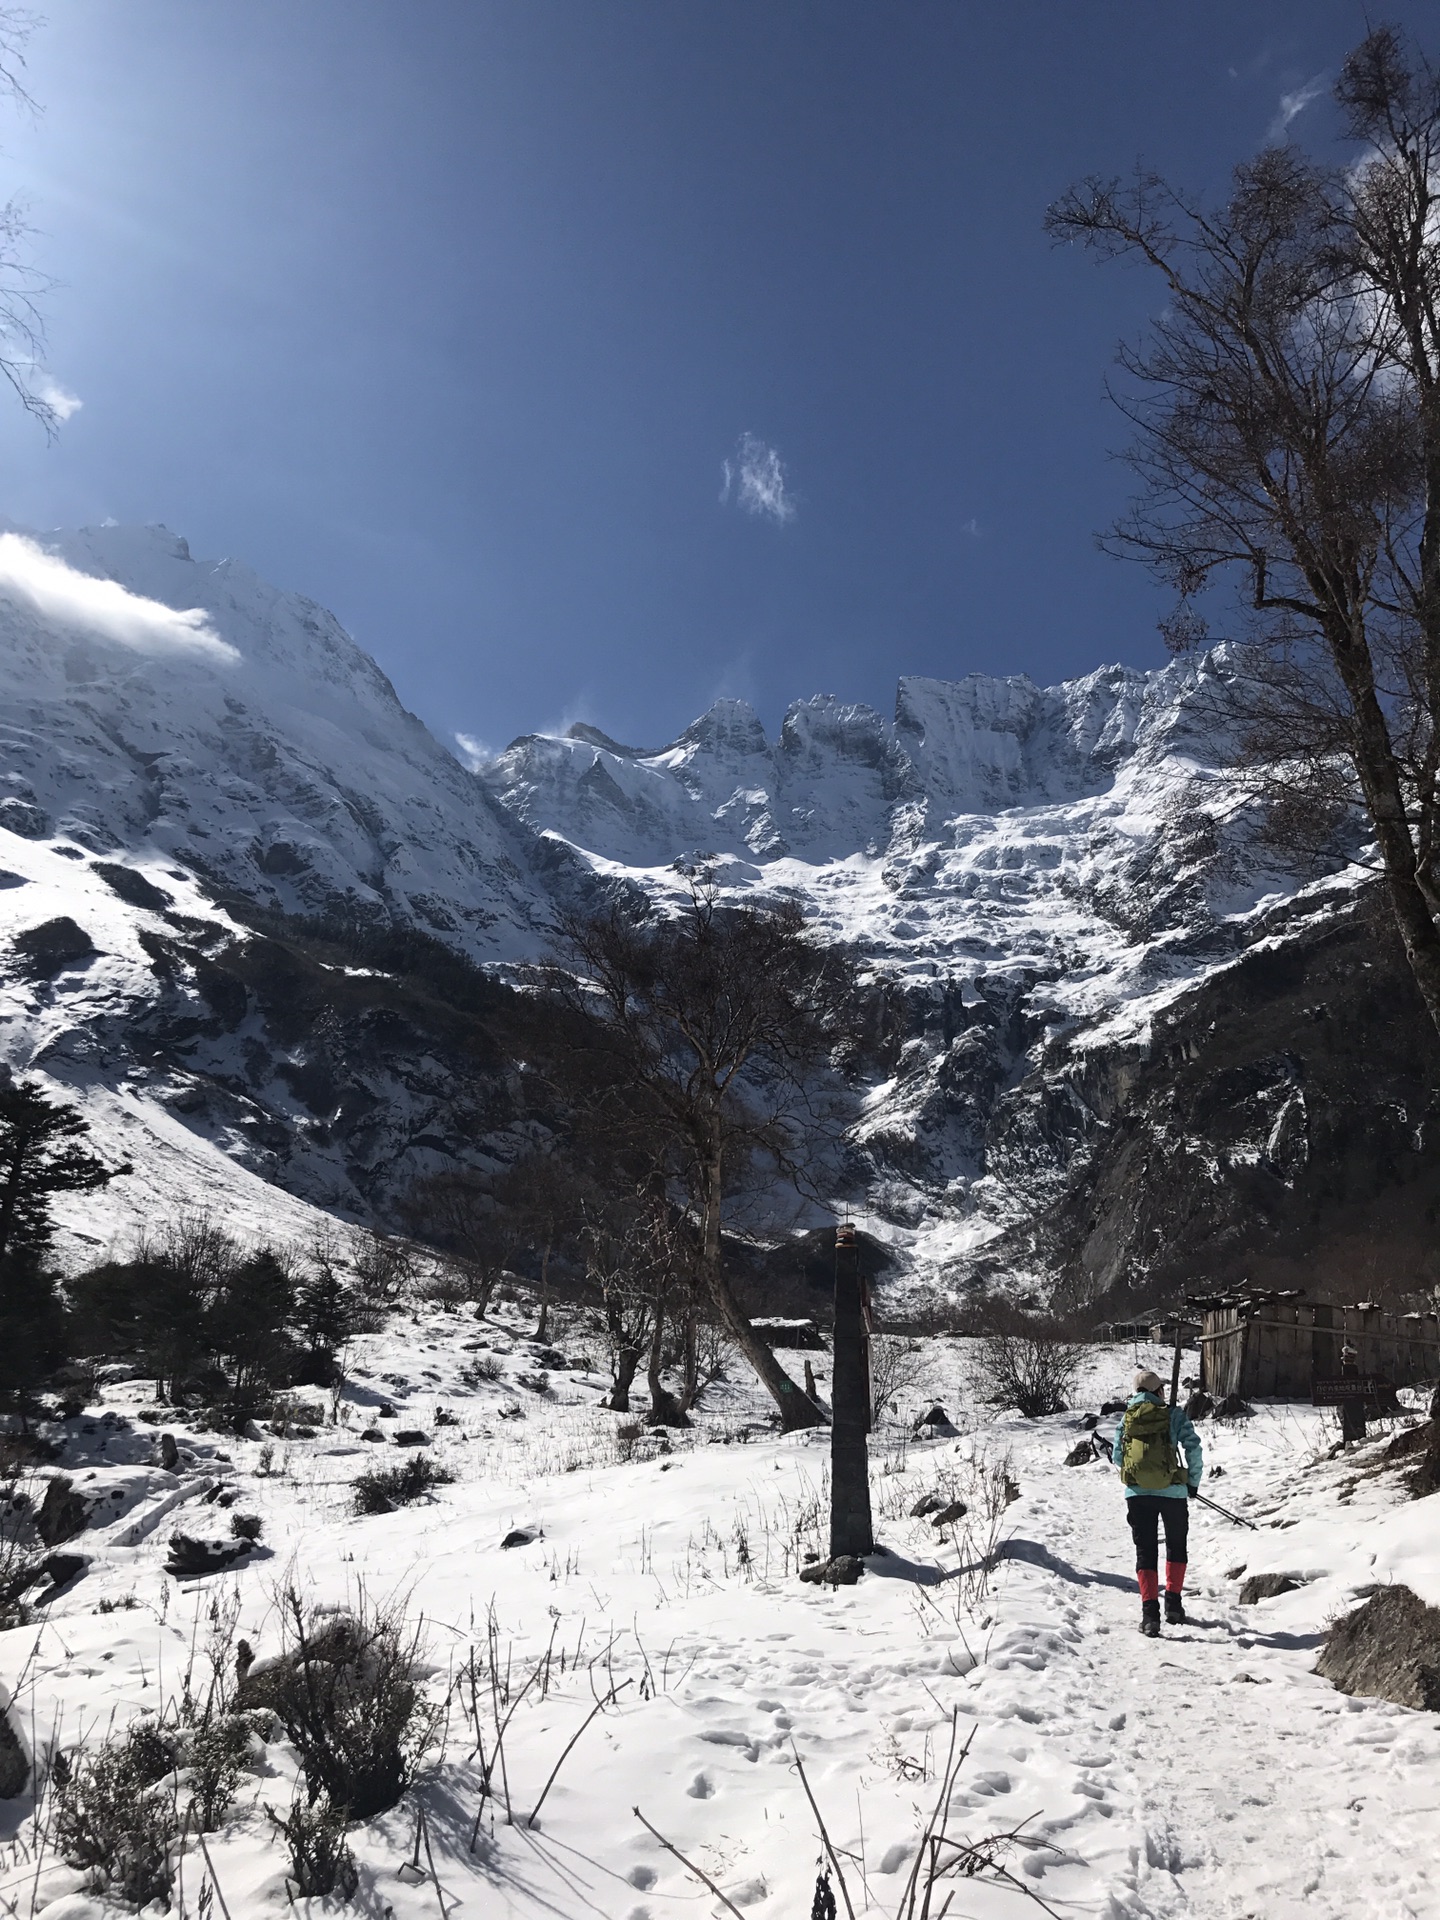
(1147, 1382)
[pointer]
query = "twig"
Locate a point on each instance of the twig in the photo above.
(214, 1877)
(689, 1867)
(824, 1833)
(599, 1707)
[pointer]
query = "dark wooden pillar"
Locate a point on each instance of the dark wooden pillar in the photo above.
(851, 1529)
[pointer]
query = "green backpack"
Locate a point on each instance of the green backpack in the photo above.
(1148, 1460)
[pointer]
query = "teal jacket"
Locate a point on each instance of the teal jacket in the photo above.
(1185, 1440)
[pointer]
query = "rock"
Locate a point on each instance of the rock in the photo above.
(169, 1452)
(63, 1512)
(520, 1537)
(1426, 1477)
(1265, 1586)
(843, 1571)
(935, 1423)
(412, 1437)
(385, 1411)
(373, 1433)
(956, 1510)
(550, 1357)
(60, 1569)
(48, 949)
(1199, 1406)
(927, 1503)
(1389, 1648)
(1089, 1421)
(191, 1558)
(1233, 1407)
(1112, 1406)
(14, 1767)
(1081, 1454)
(1234, 1573)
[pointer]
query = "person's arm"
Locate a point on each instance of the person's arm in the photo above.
(1188, 1439)
(1117, 1449)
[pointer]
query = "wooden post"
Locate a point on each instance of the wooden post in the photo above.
(851, 1528)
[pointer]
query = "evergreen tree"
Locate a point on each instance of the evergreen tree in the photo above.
(40, 1155)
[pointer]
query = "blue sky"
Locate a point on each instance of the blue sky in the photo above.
(594, 358)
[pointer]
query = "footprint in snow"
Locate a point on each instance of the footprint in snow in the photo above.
(702, 1787)
(642, 1879)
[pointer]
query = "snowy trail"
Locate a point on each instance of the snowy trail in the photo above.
(1254, 1788)
(1209, 1774)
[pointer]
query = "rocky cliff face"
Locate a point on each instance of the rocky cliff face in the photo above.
(1096, 991)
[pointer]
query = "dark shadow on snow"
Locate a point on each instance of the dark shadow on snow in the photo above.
(1034, 1555)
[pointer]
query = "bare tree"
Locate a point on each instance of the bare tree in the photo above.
(1287, 414)
(707, 1031)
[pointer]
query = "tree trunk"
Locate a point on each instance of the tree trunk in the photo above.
(665, 1409)
(627, 1365)
(851, 1527)
(690, 1392)
(1385, 802)
(542, 1325)
(796, 1410)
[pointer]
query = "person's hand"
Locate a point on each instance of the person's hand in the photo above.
(1191, 1492)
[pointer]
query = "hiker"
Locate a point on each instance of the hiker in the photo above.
(1158, 1492)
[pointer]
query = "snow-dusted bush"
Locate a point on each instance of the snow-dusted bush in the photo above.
(115, 1814)
(390, 1487)
(347, 1690)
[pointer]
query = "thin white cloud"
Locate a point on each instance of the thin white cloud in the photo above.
(103, 608)
(1291, 106)
(473, 752)
(972, 528)
(757, 476)
(59, 398)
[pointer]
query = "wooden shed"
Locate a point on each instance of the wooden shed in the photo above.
(1277, 1345)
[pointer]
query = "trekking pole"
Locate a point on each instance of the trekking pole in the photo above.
(1215, 1507)
(1175, 1367)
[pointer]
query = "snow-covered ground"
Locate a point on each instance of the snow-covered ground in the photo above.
(1211, 1774)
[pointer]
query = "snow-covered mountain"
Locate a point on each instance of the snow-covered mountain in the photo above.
(1061, 897)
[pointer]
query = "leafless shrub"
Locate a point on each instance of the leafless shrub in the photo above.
(1034, 1372)
(485, 1366)
(320, 1858)
(898, 1366)
(385, 1267)
(347, 1690)
(114, 1814)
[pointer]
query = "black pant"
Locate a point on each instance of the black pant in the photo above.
(1145, 1512)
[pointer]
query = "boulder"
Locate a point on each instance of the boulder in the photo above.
(1199, 1406)
(412, 1437)
(1389, 1648)
(1233, 1407)
(169, 1452)
(947, 1516)
(520, 1537)
(63, 1512)
(191, 1558)
(927, 1503)
(1081, 1454)
(1265, 1586)
(843, 1571)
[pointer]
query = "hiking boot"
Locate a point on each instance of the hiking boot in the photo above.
(1150, 1619)
(1174, 1610)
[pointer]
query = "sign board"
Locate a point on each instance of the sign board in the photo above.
(1334, 1390)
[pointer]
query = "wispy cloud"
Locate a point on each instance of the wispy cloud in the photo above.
(972, 528)
(1291, 106)
(103, 608)
(473, 752)
(57, 397)
(756, 480)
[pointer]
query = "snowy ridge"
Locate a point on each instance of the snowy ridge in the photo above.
(1029, 876)
(283, 767)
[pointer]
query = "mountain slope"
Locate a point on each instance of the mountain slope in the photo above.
(234, 867)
